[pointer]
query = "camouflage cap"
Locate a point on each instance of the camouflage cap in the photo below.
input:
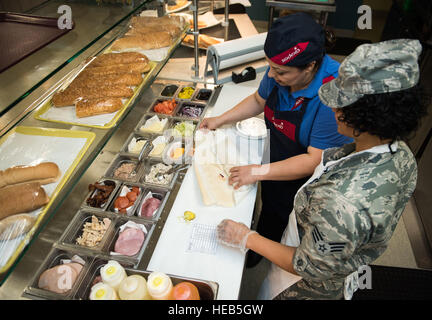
(381, 67)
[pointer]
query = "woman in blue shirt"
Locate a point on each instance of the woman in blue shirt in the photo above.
(300, 125)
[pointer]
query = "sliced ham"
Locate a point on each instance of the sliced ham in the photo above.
(149, 207)
(129, 241)
(61, 278)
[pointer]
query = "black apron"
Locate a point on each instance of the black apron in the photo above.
(278, 196)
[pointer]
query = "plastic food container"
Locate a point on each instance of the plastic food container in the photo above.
(124, 168)
(186, 93)
(165, 111)
(208, 290)
(149, 225)
(203, 95)
(191, 110)
(92, 198)
(122, 189)
(54, 258)
(157, 193)
(169, 90)
(75, 230)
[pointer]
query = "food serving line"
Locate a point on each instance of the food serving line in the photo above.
(169, 239)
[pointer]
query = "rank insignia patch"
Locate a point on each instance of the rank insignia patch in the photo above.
(324, 247)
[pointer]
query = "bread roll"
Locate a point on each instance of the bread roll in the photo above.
(44, 173)
(144, 30)
(21, 198)
(140, 67)
(123, 79)
(72, 95)
(109, 59)
(150, 41)
(15, 226)
(92, 107)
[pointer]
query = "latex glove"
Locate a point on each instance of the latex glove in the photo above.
(234, 234)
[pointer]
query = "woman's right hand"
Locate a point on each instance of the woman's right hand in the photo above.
(211, 123)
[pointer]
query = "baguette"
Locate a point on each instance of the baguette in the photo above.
(92, 107)
(15, 226)
(140, 67)
(44, 173)
(72, 95)
(109, 59)
(21, 198)
(150, 41)
(125, 79)
(144, 30)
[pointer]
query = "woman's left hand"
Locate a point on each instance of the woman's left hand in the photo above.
(244, 175)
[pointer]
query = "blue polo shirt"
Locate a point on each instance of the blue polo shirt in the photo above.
(318, 128)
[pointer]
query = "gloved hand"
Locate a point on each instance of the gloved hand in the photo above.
(234, 234)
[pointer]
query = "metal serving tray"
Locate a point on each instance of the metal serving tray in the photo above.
(144, 120)
(145, 171)
(125, 149)
(54, 259)
(149, 225)
(159, 100)
(120, 160)
(131, 210)
(75, 230)
(93, 193)
(159, 193)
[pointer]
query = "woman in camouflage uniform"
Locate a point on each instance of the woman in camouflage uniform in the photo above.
(346, 213)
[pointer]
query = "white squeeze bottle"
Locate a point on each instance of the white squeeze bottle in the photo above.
(102, 291)
(159, 286)
(134, 287)
(113, 274)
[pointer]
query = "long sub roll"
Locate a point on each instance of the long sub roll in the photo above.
(15, 226)
(138, 21)
(44, 173)
(21, 198)
(140, 67)
(173, 30)
(109, 59)
(150, 41)
(124, 79)
(70, 96)
(92, 107)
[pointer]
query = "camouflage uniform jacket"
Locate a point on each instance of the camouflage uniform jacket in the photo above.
(347, 216)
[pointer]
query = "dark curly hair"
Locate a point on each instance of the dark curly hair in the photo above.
(393, 115)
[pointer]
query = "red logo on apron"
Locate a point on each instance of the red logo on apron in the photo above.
(298, 102)
(287, 128)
